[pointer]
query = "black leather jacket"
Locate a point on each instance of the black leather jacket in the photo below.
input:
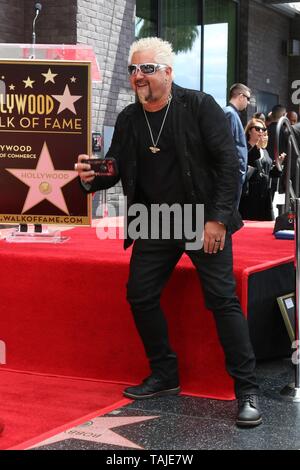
(205, 149)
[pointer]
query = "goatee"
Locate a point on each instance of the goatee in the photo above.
(142, 97)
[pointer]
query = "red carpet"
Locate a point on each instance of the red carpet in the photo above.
(255, 249)
(65, 311)
(34, 407)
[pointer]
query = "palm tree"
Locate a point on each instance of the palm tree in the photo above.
(180, 21)
(181, 37)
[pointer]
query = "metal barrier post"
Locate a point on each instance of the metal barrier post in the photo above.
(292, 391)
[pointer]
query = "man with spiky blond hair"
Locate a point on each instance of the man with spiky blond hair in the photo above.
(174, 147)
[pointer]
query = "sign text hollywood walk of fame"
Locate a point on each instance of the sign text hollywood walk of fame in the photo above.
(44, 125)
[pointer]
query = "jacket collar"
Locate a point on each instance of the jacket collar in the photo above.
(179, 116)
(236, 110)
(178, 93)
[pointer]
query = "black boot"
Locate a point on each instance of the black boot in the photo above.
(248, 412)
(153, 386)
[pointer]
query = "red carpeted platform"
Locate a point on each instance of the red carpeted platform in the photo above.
(34, 407)
(64, 310)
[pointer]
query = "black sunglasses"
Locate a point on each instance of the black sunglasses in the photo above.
(248, 97)
(258, 129)
(147, 69)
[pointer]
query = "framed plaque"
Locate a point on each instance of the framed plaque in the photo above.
(45, 122)
(287, 308)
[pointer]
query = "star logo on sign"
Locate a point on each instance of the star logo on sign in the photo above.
(44, 182)
(73, 79)
(12, 87)
(100, 430)
(28, 83)
(49, 76)
(66, 101)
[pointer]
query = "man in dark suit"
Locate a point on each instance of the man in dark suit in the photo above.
(239, 98)
(174, 146)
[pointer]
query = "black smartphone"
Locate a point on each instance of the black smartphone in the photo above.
(102, 166)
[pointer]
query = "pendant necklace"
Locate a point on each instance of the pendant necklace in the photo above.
(154, 149)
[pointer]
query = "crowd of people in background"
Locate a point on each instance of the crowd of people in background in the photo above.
(264, 177)
(256, 200)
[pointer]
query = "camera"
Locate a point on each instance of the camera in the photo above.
(102, 166)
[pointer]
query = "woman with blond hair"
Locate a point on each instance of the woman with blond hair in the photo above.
(256, 200)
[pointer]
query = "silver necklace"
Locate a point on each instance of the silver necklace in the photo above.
(154, 149)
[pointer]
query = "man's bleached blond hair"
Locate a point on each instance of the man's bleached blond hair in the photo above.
(163, 51)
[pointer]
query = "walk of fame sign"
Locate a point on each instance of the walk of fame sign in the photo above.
(44, 124)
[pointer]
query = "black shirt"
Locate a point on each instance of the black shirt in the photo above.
(159, 177)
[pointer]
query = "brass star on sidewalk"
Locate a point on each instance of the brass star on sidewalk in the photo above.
(28, 83)
(100, 430)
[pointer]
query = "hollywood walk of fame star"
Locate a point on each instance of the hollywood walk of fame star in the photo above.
(67, 100)
(100, 430)
(49, 76)
(44, 182)
(28, 82)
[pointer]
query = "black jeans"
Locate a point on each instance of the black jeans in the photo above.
(151, 265)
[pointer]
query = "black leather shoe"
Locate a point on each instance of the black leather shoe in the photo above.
(152, 386)
(248, 413)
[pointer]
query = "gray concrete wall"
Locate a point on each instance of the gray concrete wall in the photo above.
(268, 66)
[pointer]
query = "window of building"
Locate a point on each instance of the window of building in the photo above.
(219, 44)
(181, 25)
(203, 35)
